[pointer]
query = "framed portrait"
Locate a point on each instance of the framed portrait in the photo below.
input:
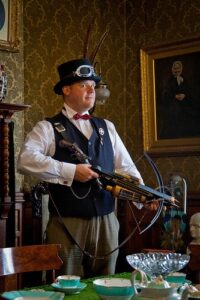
(170, 82)
(9, 25)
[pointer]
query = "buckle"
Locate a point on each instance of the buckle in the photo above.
(59, 127)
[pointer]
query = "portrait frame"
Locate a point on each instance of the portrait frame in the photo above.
(9, 30)
(156, 64)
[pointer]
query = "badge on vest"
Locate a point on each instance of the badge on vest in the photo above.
(101, 132)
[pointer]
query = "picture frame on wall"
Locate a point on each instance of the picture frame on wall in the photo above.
(9, 25)
(170, 83)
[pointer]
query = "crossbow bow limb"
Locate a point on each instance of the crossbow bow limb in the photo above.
(161, 189)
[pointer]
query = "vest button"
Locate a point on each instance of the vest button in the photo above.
(89, 143)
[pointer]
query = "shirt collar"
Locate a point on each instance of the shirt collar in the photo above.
(69, 112)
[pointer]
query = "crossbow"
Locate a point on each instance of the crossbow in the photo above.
(121, 186)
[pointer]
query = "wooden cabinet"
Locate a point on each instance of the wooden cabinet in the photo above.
(19, 206)
(11, 203)
(194, 264)
(10, 209)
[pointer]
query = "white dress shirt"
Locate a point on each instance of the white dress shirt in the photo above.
(35, 157)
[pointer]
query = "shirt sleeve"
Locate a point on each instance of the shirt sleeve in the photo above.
(123, 163)
(35, 157)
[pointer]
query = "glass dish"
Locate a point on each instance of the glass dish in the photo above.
(155, 264)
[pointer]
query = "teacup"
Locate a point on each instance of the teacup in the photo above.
(68, 281)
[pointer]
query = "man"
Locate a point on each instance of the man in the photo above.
(179, 118)
(81, 212)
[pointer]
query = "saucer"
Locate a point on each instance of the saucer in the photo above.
(69, 290)
(178, 284)
(33, 294)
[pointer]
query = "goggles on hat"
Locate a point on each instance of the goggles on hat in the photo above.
(84, 71)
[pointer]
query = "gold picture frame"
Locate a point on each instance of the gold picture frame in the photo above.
(9, 25)
(159, 138)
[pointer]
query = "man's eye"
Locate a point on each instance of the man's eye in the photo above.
(86, 85)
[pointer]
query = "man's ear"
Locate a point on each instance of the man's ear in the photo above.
(66, 90)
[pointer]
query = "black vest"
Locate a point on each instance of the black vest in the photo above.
(83, 199)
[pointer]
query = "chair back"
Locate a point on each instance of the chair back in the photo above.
(23, 259)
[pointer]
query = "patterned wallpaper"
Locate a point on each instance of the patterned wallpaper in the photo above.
(14, 67)
(152, 23)
(54, 31)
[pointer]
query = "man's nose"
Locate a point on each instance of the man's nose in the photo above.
(193, 226)
(90, 87)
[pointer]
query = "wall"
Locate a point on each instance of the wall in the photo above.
(54, 32)
(152, 23)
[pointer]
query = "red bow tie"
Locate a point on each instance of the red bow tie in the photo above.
(84, 117)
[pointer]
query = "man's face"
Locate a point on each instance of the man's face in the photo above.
(176, 69)
(80, 96)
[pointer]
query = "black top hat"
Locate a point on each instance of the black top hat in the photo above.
(73, 71)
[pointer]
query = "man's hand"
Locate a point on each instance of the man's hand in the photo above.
(153, 205)
(180, 97)
(84, 173)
